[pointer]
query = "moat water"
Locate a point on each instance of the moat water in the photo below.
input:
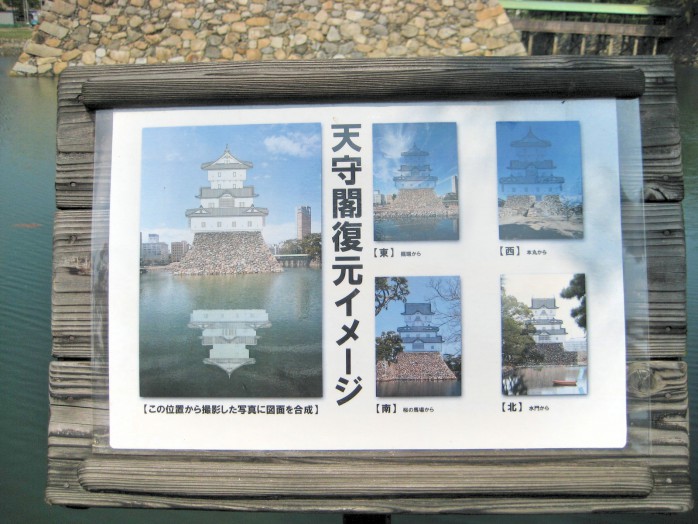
(416, 229)
(538, 380)
(418, 388)
(287, 354)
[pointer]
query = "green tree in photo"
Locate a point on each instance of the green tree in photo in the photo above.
(577, 289)
(388, 345)
(454, 363)
(517, 342)
(311, 245)
(390, 290)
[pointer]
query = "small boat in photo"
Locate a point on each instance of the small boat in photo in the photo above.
(564, 382)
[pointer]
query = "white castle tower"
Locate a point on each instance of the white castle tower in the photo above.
(549, 330)
(415, 171)
(228, 204)
(418, 333)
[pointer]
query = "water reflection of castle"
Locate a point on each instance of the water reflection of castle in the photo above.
(229, 331)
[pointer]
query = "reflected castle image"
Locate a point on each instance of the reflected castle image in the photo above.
(229, 331)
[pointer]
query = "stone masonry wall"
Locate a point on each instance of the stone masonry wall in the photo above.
(89, 32)
(414, 366)
(230, 253)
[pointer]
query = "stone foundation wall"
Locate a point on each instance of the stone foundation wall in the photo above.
(227, 254)
(415, 203)
(414, 366)
(89, 32)
(556, 355)
(528, 206)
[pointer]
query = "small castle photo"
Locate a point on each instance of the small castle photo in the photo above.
(544, 335)
(415, 182)
(230, 302)
(418, 336)
(539, 180)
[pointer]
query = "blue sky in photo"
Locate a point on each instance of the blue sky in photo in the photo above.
(439, 139)
(420, 291)
(286, 173)
(565, 150)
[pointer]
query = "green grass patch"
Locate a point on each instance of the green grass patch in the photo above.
(15, 33)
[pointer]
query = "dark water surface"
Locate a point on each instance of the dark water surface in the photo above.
(287, 354)
(27, 205)
(415, 229)
(418, 388)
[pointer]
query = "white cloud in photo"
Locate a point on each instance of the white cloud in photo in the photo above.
(276, 233)
(299, 145)
(394, 141)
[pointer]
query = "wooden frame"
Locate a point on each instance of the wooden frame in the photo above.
(650, 473)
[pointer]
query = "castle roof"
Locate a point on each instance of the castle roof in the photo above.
(538, 164)
(416, 329)
(412, 308)
(226, 161)
(537, 303)
(544, 321)
(560, 331)
(532, 179)
(530, 140)
(227, 211)
(438, 339)
(414, 151)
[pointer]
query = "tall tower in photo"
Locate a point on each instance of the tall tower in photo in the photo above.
(302, 222)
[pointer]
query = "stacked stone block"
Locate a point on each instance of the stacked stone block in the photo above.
(416, 203)
(414, 366)
(89, 32)
(228, 254)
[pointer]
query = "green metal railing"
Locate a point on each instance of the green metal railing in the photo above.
(591, 8)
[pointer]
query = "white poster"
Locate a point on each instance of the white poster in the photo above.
(355, 277)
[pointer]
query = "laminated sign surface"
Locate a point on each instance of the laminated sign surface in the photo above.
(381, 276)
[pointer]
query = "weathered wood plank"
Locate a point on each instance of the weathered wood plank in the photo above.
(662, 173)
(671, 492)
(319, 81)
(357, 478)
